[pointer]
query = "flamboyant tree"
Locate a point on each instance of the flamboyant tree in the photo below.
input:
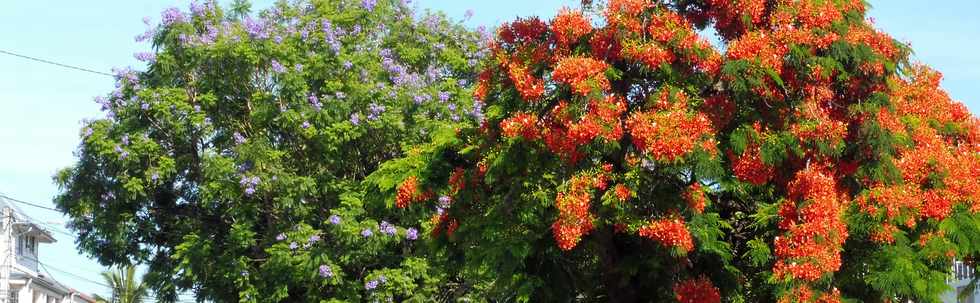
(231, 165)
(625, 157)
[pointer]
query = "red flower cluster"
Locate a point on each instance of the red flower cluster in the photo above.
(569, 26)
(522, 31)
(530, 88)
(623, 193)
(577, 71)
(521, 125)
(669, 232)
(699, 290)
(695, 198)
(729, 16)
(650, 54)
(574, 219)
(670, 135)
(815, 230)
(408, 192)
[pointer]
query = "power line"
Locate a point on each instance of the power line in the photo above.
(28, 203)
(55, 63)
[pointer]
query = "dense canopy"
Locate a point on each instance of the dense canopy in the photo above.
(332, 150)
(800, 158)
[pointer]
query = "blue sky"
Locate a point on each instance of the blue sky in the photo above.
(41, 106)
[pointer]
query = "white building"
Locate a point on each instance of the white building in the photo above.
(20, 279)
(962, 275)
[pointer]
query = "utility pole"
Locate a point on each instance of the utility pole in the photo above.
(7, 246)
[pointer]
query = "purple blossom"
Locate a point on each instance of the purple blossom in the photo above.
(146, 57)
(326, 271)
(122, 153)
(144, 106)
(197, 9)
(445, 201)
(277, 67)
(412, 234)
(315, 102)
(371, 285)
(108, 196)
(154, 176)
(477, 111)
(280, 237)
(87, 132)
(330, 35)
(314, 238)
(334, 219)
(419, 99)
(387, 228)
(171, 15)
(277, 39)
(255, 28)
(367, 232)
(469, 14)
(340, 95)
(125, 139)
(444, 96)
(383, 279)
(306, 124)
(239, 139)
(298, 67)
(369, 4)
(293, 245)
(355, 119)
(376, 111)
(451, 107)
(249, 191)
(348, 64)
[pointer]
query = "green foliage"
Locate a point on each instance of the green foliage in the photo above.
(232, 165)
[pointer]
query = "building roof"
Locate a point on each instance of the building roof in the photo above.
(28, 226)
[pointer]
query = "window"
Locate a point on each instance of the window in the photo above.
(32, 245)
(12, 298)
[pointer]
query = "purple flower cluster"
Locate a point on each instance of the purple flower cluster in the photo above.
(249, 184)
(370, 285)
(375, 111)
(326, 271)
(146, 57)
(314, 238)
(419, 99)
(331, 35)
(198, 9)
(277, 67)
(412, 234)
(369, 4)
(387, 229)
(334, 219)
(280, 237)
(398, 73)
(239, 139)
(315, 102)
(444, 96)
(293, 245)
(255, 28)
(171, 16)
(122, 153)
(367, 232)
(306, 124)
(477, 111)
(445, 201)
(355, 119)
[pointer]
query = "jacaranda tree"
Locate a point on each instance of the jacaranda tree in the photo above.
(231, 166)
(625, 157)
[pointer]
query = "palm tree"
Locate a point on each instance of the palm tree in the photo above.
(125, 287)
